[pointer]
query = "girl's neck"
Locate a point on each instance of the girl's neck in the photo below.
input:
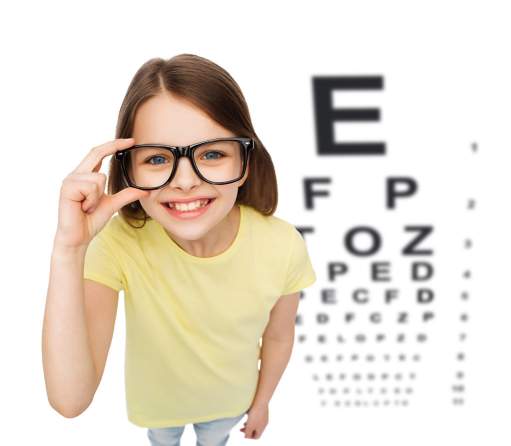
(217, 240)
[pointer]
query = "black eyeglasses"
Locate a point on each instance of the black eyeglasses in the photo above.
(140, 173)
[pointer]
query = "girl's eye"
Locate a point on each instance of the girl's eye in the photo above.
(207, 153)
(154, 157)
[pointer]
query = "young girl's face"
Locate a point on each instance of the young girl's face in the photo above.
(167, 119)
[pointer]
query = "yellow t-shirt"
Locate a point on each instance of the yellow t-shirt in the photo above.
(194, 324)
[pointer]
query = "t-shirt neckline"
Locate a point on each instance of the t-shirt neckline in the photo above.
(227, 253)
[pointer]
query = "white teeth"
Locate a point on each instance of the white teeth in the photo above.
(189, 206)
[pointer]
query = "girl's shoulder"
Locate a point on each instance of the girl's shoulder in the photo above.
(272, 225)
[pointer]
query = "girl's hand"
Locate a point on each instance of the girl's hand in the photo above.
(84, 208)
(256, 421)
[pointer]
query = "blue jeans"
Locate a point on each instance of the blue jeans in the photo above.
(209, 433)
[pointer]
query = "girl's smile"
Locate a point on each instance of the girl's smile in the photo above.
(180, 211)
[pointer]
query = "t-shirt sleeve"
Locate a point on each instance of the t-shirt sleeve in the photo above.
(300, 273)
(101, 263)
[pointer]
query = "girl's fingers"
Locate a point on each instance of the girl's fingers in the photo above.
(80, 191)
(94, 177)
(92, 162)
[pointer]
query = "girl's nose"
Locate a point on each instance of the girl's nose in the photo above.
(185, 173)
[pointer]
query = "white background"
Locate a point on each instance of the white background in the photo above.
(65, 69)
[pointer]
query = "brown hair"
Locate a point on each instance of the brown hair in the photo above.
(209, 87)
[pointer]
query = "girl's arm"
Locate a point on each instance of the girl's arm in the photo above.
(277, 345)
(72, 361)
(70, 372)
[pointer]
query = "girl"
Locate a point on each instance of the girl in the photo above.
(211, 277)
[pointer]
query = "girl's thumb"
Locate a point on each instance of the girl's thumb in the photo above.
(127, 196)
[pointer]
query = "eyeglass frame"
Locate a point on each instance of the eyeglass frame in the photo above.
(248, 145)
